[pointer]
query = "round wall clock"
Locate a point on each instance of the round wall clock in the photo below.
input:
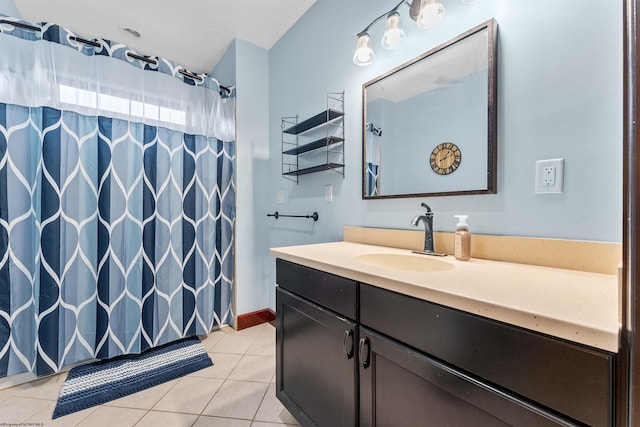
(445, 158)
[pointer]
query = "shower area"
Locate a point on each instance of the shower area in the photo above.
(373, 140)
(117, 200)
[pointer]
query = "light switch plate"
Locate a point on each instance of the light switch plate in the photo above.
(328, 193)
(280, 197)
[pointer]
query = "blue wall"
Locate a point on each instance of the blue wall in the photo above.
(559, 95)
(246, 66)
(225, 69)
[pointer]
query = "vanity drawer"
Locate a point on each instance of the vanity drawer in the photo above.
(333, 292)
(571, 379)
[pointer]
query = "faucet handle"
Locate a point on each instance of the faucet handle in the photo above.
(424, 205)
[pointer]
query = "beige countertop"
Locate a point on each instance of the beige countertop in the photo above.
(578, 306)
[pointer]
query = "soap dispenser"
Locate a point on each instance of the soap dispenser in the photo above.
(462, 242)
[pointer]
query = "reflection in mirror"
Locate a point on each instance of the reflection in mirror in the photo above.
(429, 126)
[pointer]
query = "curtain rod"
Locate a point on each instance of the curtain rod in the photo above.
(183, 72)
(129, 54)
(85, 41)
(20, 25)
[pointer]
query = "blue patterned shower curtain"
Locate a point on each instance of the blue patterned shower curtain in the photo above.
(116, 235)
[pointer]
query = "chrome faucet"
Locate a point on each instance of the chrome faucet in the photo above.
(427, 220)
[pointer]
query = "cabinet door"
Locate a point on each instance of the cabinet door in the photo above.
(567, 378)
(316, 368)
(402, 387)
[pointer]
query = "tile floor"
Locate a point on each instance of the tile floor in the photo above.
(237, 391)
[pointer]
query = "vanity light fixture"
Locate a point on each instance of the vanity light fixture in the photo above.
(427, 14)
(364, 51)
(394, 34)
(431, 14)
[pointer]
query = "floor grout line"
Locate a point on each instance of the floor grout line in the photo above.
(260, 404)
(82, 420)
(140, 419)
(218, 390)
(153, 406)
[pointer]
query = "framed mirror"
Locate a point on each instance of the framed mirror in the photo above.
(430, 125)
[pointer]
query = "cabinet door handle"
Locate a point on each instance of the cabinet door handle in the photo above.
(348, 343)
(364, 354)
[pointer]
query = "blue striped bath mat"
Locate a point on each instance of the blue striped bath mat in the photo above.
(101, 382)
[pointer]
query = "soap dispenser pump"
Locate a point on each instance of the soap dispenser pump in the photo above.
(462, 239)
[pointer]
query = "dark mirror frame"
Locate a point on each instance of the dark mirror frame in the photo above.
(492, 125)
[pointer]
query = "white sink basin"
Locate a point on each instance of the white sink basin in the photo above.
(405, 262)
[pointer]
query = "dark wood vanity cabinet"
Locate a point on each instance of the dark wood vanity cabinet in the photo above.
(416, 363)
(400, 386)
(316, 367)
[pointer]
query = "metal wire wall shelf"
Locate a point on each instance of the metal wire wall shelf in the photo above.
(321, 137)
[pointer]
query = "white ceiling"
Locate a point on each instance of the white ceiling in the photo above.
(192, 33)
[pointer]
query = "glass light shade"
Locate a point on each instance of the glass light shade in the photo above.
(431, 15)
(364, 51)
(394, 34)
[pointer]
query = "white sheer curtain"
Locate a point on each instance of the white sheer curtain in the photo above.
(41, 73)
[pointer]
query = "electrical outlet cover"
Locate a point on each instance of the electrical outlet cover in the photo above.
(549, 177)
